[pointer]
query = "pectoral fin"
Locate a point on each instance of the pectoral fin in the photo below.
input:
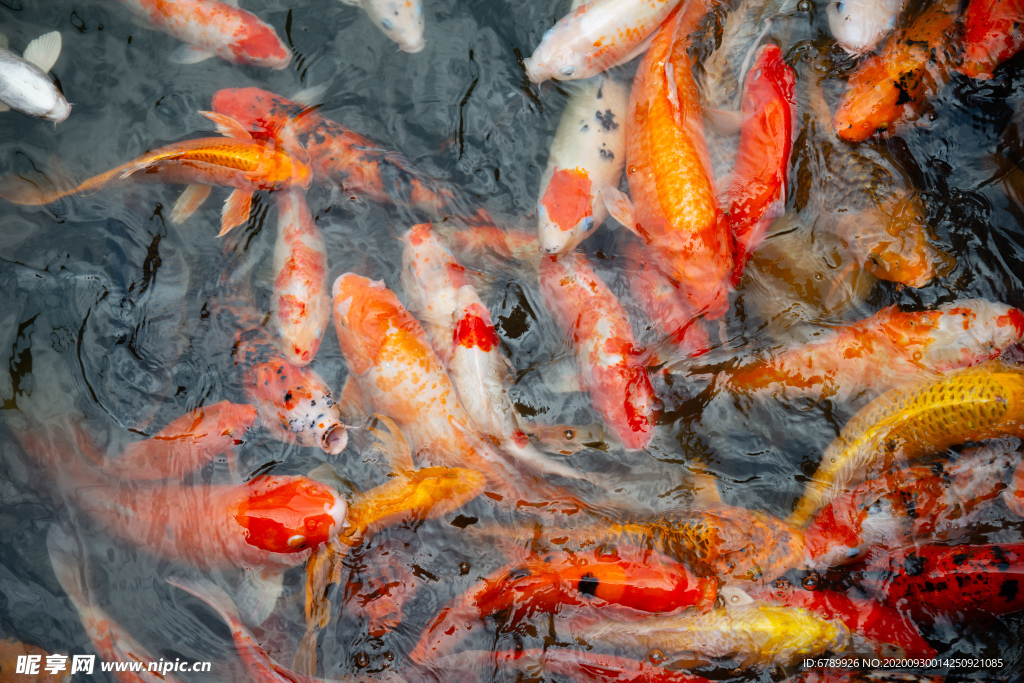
(4, 107)
(189, 54)
(236, 211)
(190, 200)
(257, 595)
(621, 209)
(44, 50)
(393, 445)
(227, 125)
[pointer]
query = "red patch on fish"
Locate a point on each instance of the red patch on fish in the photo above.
(1013, 317)
(276, 518)
(568, 199)
(473, 330)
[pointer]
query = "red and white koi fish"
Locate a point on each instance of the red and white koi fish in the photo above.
(396, 373)
(268, 522)
(186, 444)
(212, 28)
(595, 36)
(112, 641)
(992, 34)
(607, 359)
(1013, 496)
(755, 195)
(587, 156)
(337, 155)
(400, 20)
(300, 305)
(674, 209)
(844, 363)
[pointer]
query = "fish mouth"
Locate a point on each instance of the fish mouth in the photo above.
(339, 513)
(412, 48)
(334, 439)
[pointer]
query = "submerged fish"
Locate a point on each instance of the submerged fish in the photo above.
(596, 36)
(400, 20)
(572, 663)
(211, 28)
(24, 85)
(12, 650)
(916, 419)
(237, 161)
(992, 35)
(859, 25)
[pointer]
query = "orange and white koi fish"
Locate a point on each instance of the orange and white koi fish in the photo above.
(337, 155)
(844, 363)
(212, 28)
(396, 373)
(755, 195)
(890, 87)
(112, 641)
(674, 209)
(607, 358)
(595, 36)
(587, 156)
(300, 306)
(268, 522)
(992, 34)
(239, 161)
(186, 444)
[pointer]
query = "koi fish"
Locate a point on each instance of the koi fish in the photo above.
(396, 373)
(211, 28)
(337, 155)
(882, 629)
(915, 419)
(11, 649)
(626, 576)
(240, 162)
(964, 583)
(859, 25)
(586, 156)
(300, 306)
(380, 597)
(24, 84)
(756, 634)
(185, 445)
(113, 642)
(844, 362)
(269, 521)
(868, 203)
(483, 242)
(992, 35)
(909, 505)
(400, 20)
(674, 209)
(755, 195)
(1013, 496)
(890, 87)
(592, 318)
(596, 36)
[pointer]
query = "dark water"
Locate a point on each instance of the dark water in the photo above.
(105, 308)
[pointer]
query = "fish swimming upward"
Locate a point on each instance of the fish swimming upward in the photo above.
(24, 83)
(992, 34)
(236, 161)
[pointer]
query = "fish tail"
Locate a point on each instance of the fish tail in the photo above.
(22, 190)
(212, 595)
(66, 558)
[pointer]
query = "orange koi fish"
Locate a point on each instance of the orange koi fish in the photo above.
(915, 419)
(112, 642)
(211, 28)
(674, 209)
(337, 155)
(270, 521)
(11, 649)
(238, 161)
(992, 34)
(186, 444)
(891, 86)
(623, 579)
(300, 306)
(843, 363)
(397, 374)
(607, 361)
(756, 193)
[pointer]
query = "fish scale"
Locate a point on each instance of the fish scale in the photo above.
(916, 419)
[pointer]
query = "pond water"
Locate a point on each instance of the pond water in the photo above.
(106, 309)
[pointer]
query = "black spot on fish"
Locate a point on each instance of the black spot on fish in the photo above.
(913, 565)
(1002, 564)
(606, 154)
(588, 585)
(1009, 590)
(288, 397)
(519, 573)
(607, 119)
(960, 558)
(462, 521)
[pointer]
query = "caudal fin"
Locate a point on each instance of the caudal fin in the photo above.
(66, 558)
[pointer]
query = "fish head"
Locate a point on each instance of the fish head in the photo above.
(365, 314)
(258, 44)
(400, 20)
(566, 210)
(893, 240)
(282, 514)
(968, 331)
(834, 537)
(555, 56)
(858, 25)
(60, 110)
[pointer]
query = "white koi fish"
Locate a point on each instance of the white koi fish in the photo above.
(24, 85)
(400, 20)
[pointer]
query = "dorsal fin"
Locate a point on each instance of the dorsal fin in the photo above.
(44, 50)
(227, 126)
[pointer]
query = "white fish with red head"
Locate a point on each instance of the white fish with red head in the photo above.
(400, 20)
(24, 85)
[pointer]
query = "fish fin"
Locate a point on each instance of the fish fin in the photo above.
(733, 596)
(724, 121)
(393, 445)
(236, 211)
(561, 377)
(189, 54)
(20, 190)
(227, 125)
(3, 41)
(4, 107)
(304, 662)
(210, 593)
(530, 458)
(705, 489)
(351, 402)
(232, 3)
(311, 96)
(620, 208)
(44, 50)
(258, 593)
(326, 474)
(66, 557)
(190, 200)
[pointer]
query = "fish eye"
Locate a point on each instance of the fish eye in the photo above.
(568, 71)
(386, 23)
(805, 6)
(296, 541)
(569, 434)
(588, 585)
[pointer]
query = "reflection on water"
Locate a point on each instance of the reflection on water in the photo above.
(107, 313)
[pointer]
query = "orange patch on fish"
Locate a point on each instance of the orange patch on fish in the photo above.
(568, 200)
